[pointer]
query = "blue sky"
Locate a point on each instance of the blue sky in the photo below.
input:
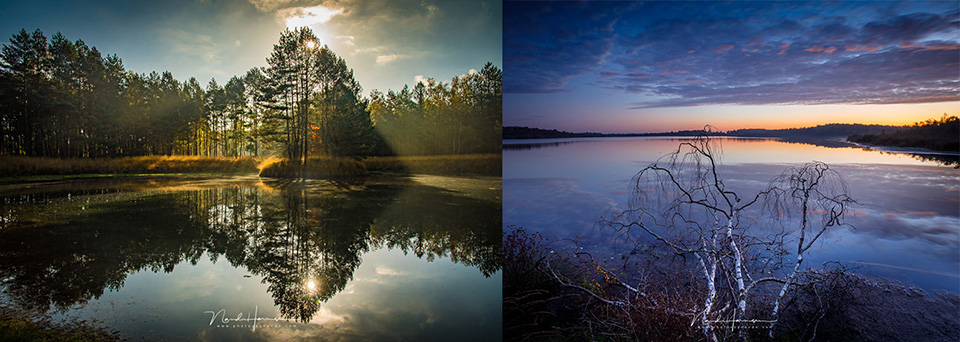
(659, 65)
(387, 42)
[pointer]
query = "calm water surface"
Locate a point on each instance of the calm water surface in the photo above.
(412, 258)
(907, 229)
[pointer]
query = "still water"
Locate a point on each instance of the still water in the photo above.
(390, 258)
(907, 228)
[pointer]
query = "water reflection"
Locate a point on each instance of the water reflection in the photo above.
(65, 246)
(946, 159)
(906, 230)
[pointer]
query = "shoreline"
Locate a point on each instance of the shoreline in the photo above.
(910, 150)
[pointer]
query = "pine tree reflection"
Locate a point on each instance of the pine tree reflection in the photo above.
(293, 237)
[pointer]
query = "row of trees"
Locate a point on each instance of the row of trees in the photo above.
(63, 98)
(463, 116)
(934, 134)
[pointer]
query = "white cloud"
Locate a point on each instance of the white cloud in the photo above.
(384, 59)
(347, 40)
(236, 42)
(272, 5)
(469, 72)
(192, 44)
(421, 79)
(306, 16)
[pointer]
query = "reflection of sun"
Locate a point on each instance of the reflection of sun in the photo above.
(311, 285)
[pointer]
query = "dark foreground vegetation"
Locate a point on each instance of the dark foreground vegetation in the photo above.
(836, 305)
(932, 134)
(26, 326)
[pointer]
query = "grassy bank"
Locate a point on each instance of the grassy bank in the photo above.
(28, 166)
(318, 168)
(469, 164)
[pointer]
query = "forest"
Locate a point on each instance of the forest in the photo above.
(66, 99)
(933, 134)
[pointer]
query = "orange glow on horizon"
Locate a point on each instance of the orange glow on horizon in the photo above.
(726, 118)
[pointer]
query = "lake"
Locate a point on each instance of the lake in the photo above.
(183, 258)
(907, 227)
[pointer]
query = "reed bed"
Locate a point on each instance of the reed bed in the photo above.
(317, 168)
(30, 166)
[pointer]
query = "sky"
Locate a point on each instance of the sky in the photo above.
(388, 43)
(663, 66)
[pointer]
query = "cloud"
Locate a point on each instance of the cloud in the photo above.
(682, 54)
(294, 17)
(421, 79)
(267, 6)
(347, 40)
(547, 45)
(385, 59)
(722, 49)
(199, 45)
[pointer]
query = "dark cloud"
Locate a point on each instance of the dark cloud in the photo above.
(758, 54)
(540, 57)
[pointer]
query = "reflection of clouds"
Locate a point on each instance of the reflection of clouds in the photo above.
(556, 206)
(410, 308)
(945, 274)
(938, 234)
(909, 214)
(383, 270)
(939, 225)
(202, 285)
(324, 316)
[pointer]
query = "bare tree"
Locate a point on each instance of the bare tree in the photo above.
(681, 203)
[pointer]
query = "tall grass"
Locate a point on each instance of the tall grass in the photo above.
(318, 167)
(28, 166)
(468, 164)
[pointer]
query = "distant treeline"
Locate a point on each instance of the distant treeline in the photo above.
(938, 135)
(820, 131)
(817, 132)
(515, 132)
(62, 98)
